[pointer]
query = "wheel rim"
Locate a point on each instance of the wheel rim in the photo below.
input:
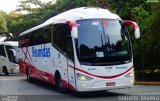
(58, 82)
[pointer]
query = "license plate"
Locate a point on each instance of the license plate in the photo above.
(110, 84)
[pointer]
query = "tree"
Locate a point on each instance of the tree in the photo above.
(3, 24)
(146, 49)
(124, 7)
(13, 20)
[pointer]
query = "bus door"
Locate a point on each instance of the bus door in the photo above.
(62, 38)
(11, 57)
(71, 65)
(62, 67)
(2, 57)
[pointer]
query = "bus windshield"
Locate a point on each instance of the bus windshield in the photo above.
(10, 53)
(102, 42)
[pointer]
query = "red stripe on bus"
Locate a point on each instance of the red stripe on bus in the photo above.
(103, 77)
(51, 79)
(40, 75)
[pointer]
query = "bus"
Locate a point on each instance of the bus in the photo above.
(8, 59)
(83, 49)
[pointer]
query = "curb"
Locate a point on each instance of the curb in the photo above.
(147, 83)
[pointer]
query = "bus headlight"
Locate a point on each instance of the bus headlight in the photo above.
(83, 77)
(130, 74)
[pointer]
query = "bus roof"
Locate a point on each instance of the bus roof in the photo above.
(77, 14)
(9, 43)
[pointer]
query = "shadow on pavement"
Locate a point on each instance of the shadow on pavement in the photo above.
(9, 75)
(74, 94)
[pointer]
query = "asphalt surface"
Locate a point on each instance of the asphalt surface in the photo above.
(17, 88)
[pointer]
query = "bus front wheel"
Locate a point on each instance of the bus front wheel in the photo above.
(5, 70)
(58, 84)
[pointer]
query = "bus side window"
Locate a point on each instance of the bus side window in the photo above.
(2, 51)
(70, 52)
(60, 32)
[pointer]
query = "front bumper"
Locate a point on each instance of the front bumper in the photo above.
(15, 70)
(101, 85)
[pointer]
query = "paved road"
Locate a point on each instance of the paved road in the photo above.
(16, 88)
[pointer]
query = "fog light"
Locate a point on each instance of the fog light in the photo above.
(131, 81)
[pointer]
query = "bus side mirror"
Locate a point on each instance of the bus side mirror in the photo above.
(134, 26)
(74, 32)
(73, 27)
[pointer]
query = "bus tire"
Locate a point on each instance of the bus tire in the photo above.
(5, 70)
(29, 79)
(58, 84)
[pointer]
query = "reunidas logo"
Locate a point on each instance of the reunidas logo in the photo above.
(41, 52)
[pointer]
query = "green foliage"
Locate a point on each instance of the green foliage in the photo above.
(98, 3)
(124, 7)
(146, 50)
(3, 23)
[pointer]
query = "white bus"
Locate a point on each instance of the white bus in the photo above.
(83, 49)
(8, 62)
